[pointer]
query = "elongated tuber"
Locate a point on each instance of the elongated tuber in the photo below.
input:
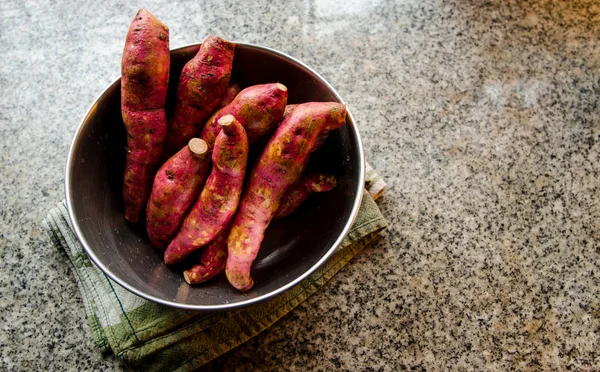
(202, 86)
(214, 255)
(279, 166)
(258, 108)
(212, 261)
(176, 187)
(298, 192)
(220, 197)
(322, 137)
(144, 80)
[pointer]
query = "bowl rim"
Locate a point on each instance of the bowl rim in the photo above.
(227, 306)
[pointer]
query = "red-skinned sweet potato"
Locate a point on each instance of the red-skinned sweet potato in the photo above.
(220, 197)
(212, 261)
(214, 255)
(258, 108)
(322, 137)
(279, 166)
(301, 190)
(202, 86)
(144, 80)
(176, 187)
(288, 109)
(232, 91)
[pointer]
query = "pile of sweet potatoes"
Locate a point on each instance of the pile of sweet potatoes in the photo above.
(189, 172)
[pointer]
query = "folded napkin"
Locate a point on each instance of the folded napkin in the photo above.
(153, 337)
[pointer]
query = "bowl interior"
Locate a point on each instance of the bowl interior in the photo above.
(292, 247)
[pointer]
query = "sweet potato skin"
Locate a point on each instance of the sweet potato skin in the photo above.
(214, 255)
(279, 166)
(258, 108)
(176, 187)
(202, 85)
(145, 64)
(144, 80)
(288, 109)
(212, 261)
(320, 140)
(322, 137)
(301, 190)
(220, 197)
(232, 91)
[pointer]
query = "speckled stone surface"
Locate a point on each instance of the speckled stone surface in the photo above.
(482, 116)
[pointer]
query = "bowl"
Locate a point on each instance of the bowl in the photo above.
(293, 247)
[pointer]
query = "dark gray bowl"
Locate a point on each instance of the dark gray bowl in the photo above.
(293, 247)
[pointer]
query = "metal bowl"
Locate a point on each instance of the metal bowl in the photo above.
(293, 247)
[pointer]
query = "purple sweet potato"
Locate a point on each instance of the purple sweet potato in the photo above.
(298, 192)
(212, 261)
(202, 86)
(279, 166)
(322, 137)
(258, 108)
(220, 197)
(176, 187)
(144, 80)
(232, 91)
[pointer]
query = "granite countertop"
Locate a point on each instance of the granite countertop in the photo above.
(483, 118)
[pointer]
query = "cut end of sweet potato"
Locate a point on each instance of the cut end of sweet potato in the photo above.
(187, 278)
(197, 146)
(281, 87)
(227, 125)
(226, 120)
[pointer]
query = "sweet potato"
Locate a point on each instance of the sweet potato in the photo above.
(144, 80)
(279, 166)
(258, 108)
(212, 261)
(288, 109)
(232, 91)
(214, 255)
(322, 137)
(202, 86)
(298, 192)
(176, 187)
(220, 197)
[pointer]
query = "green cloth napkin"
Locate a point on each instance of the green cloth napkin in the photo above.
(153, 337)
